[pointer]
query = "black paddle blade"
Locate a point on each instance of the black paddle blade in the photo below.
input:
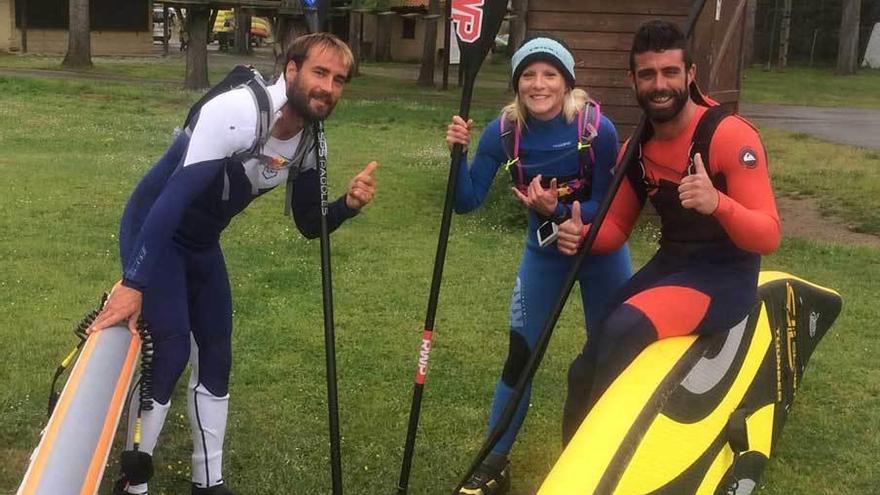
(476, 22)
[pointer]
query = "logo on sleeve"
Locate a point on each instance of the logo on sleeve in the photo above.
(748, 157)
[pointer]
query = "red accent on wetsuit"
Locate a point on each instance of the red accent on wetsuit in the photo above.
(672, 310)
(747, 212)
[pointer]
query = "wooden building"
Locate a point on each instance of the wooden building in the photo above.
(600, 33)
(117, 28)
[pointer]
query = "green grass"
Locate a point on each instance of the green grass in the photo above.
(845, 180)
(812, 87)
(72, 152)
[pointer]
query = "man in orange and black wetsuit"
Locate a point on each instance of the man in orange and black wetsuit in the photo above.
(705, 172)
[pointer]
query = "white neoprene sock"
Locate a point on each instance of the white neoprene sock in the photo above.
(207, 416)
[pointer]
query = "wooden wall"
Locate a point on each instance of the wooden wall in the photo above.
(7, 26)
(600, 32)
(54, 42)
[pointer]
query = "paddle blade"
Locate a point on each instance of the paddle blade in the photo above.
(475, 23)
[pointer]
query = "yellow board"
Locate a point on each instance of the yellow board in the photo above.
(670, 423)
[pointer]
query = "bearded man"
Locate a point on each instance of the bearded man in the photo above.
(705, 171)
(174, 274)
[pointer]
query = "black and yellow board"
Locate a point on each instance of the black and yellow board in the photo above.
(701, 415)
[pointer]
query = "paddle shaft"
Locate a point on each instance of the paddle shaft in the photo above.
(329, 332)
(433, 296)
(571, 277)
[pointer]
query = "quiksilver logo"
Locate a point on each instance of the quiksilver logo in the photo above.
(748, 157)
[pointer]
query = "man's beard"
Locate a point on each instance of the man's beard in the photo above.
(298, 101)
(661, 115)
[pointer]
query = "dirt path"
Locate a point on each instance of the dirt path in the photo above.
(801, 218)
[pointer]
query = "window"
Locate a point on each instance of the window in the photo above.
(409, 28)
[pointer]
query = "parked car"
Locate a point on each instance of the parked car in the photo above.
(159, 24)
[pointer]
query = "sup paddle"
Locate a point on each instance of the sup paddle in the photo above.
(329, 332)
(476, 22)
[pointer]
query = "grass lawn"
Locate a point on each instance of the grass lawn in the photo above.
(812, 86)
(73, 150)
(844, 179)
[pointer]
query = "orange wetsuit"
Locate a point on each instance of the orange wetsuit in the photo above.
(703, 278)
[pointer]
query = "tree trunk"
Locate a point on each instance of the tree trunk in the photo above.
(354, 35)
(24, 28)
(749, 34)
(517, 25)
(79, 45)
(848, 46)
(383, 33)
(429, 51)
(291, 25)
(197, 48)
(242, 32)
(784, 34)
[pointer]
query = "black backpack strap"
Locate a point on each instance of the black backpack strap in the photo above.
(704, 133)
(249, 78)
(240, 74)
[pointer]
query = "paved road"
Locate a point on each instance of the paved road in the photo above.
(852, 126)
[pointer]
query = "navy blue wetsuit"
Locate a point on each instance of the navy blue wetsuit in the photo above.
(170, 251)
(550, 149)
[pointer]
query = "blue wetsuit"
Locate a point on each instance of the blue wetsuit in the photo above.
(170, 251)
(550, 149)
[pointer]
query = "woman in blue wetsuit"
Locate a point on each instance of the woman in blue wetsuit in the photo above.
(558, 148)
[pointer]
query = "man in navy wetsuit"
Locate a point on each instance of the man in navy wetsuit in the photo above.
(173, 269)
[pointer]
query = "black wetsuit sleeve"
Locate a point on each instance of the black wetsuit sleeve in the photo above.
(306, 206)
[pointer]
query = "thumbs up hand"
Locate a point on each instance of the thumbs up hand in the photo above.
(571, 232)
(696, 191)
(362, 187)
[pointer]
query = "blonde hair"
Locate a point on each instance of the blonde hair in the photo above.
(572, 102)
